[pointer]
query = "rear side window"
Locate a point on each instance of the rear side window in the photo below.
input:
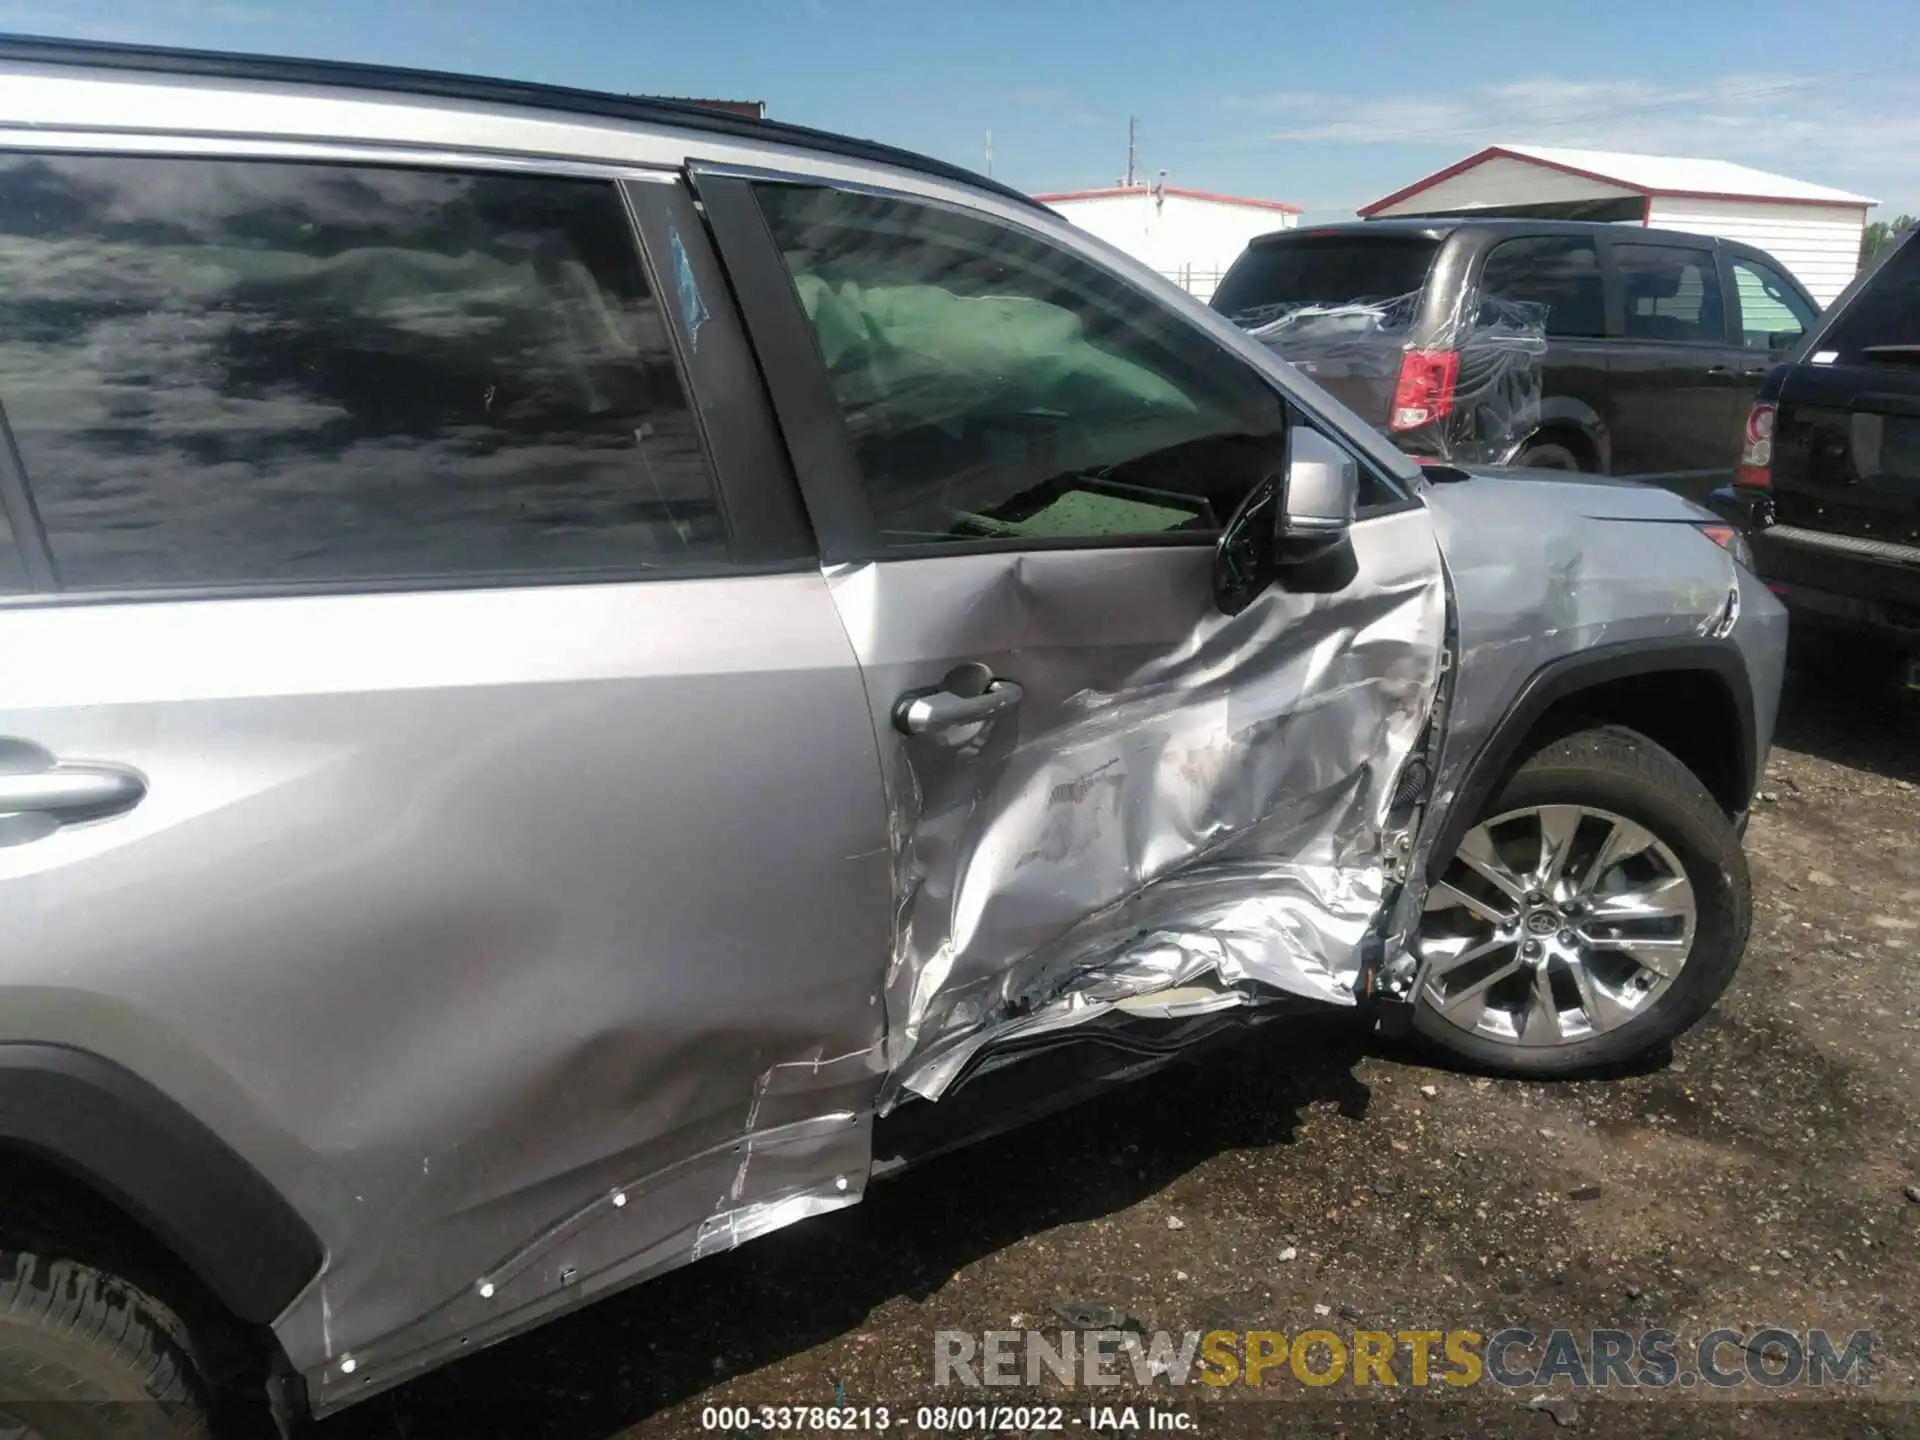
(223, 372)
(1773, 314)
(1560, 273)
(1672, 292)
(1884, 316)
(1382, 272)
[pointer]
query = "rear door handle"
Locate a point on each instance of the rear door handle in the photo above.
(927, 710)
(65, 794)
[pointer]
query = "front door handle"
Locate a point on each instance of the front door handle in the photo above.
(929, 710)
(38, 794)
(72, 792)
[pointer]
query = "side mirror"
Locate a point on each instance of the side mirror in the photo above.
(1295, 515)
(1318, 502)
(1785, 339)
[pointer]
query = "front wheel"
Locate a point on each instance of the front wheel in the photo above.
(86, 1356)
(1595, 911)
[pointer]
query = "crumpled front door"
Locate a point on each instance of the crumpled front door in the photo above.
(1177, 797)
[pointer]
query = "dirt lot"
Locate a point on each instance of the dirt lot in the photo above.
(1755, 1177)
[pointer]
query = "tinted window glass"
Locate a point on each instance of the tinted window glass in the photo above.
(1672, 293)
(1557, 272)
(1269, 280)
(230, 371)
(1773, 314)
(1885, 314)
(996, 387)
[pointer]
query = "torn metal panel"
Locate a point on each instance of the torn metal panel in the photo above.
(767, 1179)
(1180, 798)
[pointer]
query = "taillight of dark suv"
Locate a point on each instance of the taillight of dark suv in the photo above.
(1755, 470)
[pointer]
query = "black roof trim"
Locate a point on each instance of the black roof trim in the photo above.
(340, 74)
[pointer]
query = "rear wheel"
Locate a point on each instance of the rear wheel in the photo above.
(86, 1356)
(1548, 456)
(1595, 911)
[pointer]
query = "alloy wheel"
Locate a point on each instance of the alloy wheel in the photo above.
(1554, 924)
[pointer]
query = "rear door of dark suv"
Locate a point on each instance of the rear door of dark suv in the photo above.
(1846, 456)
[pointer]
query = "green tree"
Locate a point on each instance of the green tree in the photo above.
(1875, 237)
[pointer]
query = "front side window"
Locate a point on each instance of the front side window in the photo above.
(998, 388)
(1773, 314)
(1672, 293)
(1559, 273)
(226, 372)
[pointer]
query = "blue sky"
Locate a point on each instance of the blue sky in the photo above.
(1324, 105)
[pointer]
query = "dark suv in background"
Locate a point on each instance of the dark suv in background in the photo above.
(1563, 344)
(1828, 486)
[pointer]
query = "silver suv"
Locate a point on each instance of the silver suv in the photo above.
(578, 675)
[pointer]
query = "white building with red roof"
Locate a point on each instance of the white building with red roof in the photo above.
(1190, 236)
(1813, 230)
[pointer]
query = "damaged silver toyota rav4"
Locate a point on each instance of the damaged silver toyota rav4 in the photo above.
(581, 677)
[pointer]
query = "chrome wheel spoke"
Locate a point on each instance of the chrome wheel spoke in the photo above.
(1603, 1011)
(1669, 898)
(1559, 824)
(1478, 854)
(1465, 1006)
(1542, 1023)
(1443, 957)
(1663, 957)
(1624, 841)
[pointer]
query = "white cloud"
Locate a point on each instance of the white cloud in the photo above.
(1858, 131)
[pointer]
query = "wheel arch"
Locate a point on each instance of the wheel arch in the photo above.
(116, 1136)
(1575, 424)
(1691, 696)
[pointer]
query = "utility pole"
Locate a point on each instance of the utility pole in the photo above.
(989, 154)
(1129, 152)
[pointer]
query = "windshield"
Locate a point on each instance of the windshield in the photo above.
(1269, 281)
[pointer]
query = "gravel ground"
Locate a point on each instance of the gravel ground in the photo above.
(1315, 1178)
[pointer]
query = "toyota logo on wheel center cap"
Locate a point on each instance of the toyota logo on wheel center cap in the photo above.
(1542, 922)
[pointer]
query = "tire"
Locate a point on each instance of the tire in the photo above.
(1621, 774)
(86, 1356)
(1548, 456)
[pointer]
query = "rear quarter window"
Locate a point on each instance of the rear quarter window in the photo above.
(1559, 273)
(1384, 273)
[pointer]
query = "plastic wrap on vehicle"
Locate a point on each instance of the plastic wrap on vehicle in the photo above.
(1357, 351)
(1205, 817)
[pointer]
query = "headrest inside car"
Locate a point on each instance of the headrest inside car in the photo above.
(1654, 284)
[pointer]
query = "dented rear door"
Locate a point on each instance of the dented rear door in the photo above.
(1101, 789)
(478, 821)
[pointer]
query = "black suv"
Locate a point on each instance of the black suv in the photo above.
(1563, 344)
(1828, 486)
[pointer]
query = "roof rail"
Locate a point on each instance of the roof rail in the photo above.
(687, 115)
